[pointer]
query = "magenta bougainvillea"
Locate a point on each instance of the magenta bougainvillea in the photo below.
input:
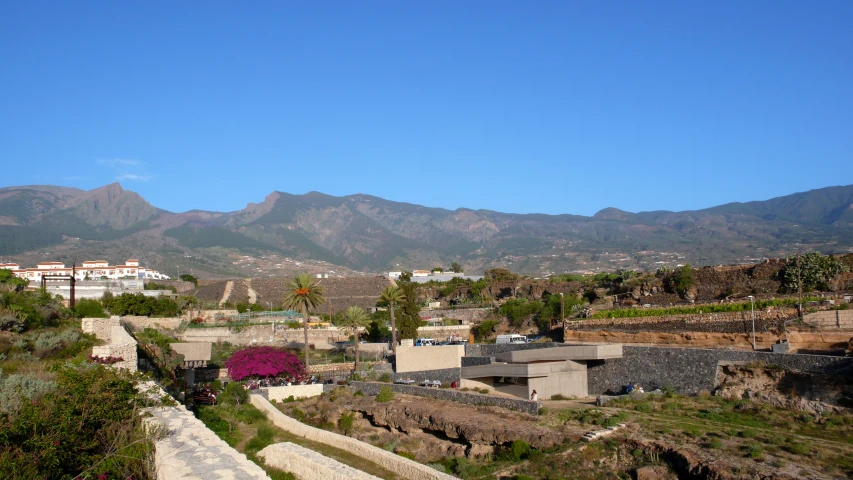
(264, 362)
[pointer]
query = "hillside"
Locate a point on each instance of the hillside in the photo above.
(362, 233)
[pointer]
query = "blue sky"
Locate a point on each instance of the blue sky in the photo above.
(551, 107)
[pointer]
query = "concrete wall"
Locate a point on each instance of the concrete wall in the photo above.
(297, 391)
(414, 359)
(307, 464)
(100, 327)
(469, 315)
(526, 406)
(403, 467)
(567, 384)
(690, 370)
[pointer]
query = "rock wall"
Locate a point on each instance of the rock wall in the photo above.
(490, 350)
(726, 322)
(444, 375)
(403, 467)
(119, 343)
(190, 451)
(307, 464)
(691, 370)
(467, 315)
(138, 323)
(840, 319)
(467, 398)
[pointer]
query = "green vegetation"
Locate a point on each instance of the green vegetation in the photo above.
(207, 237)
(813, 271)
(139, 304)
(712, 308)
(189, 278)
(157, 286)
(89, 308)
(302, 294)
(386, 394)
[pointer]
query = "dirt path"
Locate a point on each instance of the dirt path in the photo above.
(253, 295)
(228, 287)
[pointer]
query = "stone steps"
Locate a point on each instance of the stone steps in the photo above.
(596, 434)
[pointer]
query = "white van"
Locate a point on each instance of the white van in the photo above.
(425, 342)
(512, 338)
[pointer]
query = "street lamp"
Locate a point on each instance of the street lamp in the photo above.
(562, 311)
(752, 308)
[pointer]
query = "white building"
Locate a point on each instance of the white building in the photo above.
(90, 269)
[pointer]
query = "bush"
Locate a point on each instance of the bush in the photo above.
(754, 451)
(234, 394)
(89, 308)
(405, 454)
(385, 378)
(386, 394)
(798, 448)
(346, 423)
(715, 443)
(263, 362)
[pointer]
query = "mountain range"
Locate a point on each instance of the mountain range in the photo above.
(363, 233)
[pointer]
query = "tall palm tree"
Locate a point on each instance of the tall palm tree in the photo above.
(353, 319)
(301, 294)
(393, 295)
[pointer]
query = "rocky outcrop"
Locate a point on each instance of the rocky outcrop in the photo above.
(812, 393)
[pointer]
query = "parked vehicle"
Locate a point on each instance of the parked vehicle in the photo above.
(512, 338)
(424, 342)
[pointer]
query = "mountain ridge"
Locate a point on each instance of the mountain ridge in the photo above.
(366, 233)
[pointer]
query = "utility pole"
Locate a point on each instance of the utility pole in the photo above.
(752, 307)
(562, 311)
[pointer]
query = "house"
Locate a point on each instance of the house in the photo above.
(420, 273)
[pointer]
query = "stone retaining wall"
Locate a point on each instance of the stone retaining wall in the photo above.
(838, 319)
(469, 315)
(691, 370)
(490, 350)
(403, 467)
(475, 361)
(119, 342)
(444, 375)
(191, 451)
(725, 322)
(307, 464)
(138, 323)
(467, 398)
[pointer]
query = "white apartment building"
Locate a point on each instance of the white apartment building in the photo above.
(90, 269)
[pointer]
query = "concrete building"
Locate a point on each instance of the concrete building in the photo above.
(549, 371)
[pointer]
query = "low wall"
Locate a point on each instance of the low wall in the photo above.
(725, 322)
(526, 406)
(100, 327)
(443, 332)
(403, 467)
(307, 464)
(445, 375)
(191, 451)
(691, 370)
(490, 349)
(297, 391)
(469, 315)
(138, 323)
(841, 319)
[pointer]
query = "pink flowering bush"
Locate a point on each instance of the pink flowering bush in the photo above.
(108, 360)
(263, 362)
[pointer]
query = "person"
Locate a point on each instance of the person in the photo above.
(534, 396)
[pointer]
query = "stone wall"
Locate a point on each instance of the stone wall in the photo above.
(119, 343)
(307, 464)
(297, 391)
(490, 349)
(443, 332)
(100, 327)
(840, 319)
(444, 375)
(189, 450)
(403, 467)
(138, 323)
(726, 322)
(467, 398)
(475, 361)
(203, 375)
(468, 315)
(691, 370)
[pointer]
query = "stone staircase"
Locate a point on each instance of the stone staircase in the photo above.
(596, 434)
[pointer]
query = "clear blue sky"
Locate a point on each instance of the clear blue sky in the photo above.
(553, 107)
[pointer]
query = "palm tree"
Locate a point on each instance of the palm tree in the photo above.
(303, 293)
(353, 319)
(393, 295)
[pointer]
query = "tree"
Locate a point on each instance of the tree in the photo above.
(8, 278)
(304, 294)
(683, 279)
(437, 270)
(189, 278)
(455, 267)
(393, 295)
(353, 319)
(263, 362)
(89, 308)
(812, 271)
(500, 275)
(409, 318)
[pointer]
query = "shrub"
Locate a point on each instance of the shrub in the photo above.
(297, 414)
(747, 433)
(263, 362)
(754, 450)
(517, 450)
(386, 394)
(358, 393)
(405, 454)
(89, 308)
(385, 378)
(715, 443)
(798, 448)
(346, 422)
(234, 394)
(644, 407)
